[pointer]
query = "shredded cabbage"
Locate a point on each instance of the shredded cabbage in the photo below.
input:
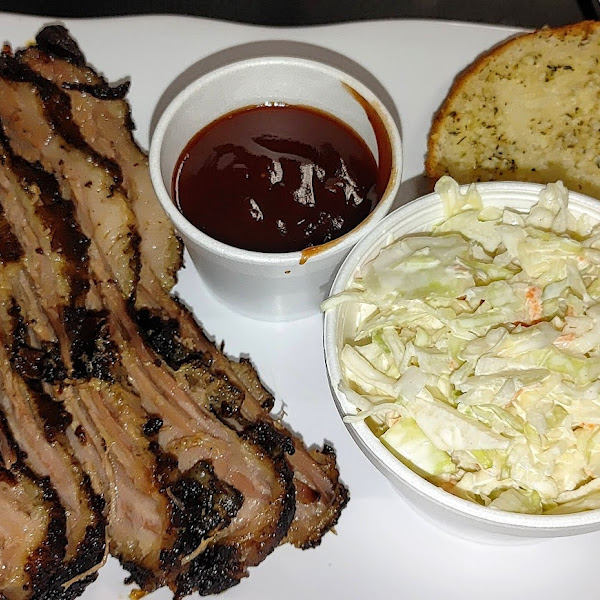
(476, 357)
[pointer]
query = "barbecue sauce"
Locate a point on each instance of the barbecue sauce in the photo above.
(276, 179)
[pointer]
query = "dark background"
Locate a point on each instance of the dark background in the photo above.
(524, 13)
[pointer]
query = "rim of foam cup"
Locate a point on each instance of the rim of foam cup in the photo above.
(317, 253)
(419, 215)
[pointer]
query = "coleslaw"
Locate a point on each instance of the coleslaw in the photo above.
(476, 358)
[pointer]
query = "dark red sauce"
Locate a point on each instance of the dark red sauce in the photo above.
(276, 179)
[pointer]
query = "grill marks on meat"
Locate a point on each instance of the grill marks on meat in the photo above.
(110, 371)
(45, 454)
(155, 513)
(177, 337)
(39, 197)
(122, 471)
(319, 495)
(43, 221)
(192, 433)
(30, 551)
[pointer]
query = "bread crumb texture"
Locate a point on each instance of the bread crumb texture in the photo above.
(529, 110)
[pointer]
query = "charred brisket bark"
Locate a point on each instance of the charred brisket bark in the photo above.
(103, 419)
(128, 393)
(42, 446)
(33, 539)
(104, 120)
(171, 329)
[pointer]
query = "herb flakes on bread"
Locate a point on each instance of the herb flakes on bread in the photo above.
(528, 110)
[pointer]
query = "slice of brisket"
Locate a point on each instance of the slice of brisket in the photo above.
(103, 117)
(120, 411)
(104, 120)
(157, 515)
(191, 432)
(44, 448)
(33, 539)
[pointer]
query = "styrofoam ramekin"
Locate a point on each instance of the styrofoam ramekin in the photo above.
(269, 286)
(462, 517)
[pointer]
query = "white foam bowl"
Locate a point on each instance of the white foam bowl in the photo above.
(463, 518)
(262, 285)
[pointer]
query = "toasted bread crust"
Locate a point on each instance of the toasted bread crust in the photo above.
(440, 145)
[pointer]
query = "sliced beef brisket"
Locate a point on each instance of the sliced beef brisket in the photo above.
(124, 420)
(44, 448)
(33, 539)
(105, 123)
(154, 521)
(104, 119)
(36, 117)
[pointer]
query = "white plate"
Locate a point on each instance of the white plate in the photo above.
(382, 546)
